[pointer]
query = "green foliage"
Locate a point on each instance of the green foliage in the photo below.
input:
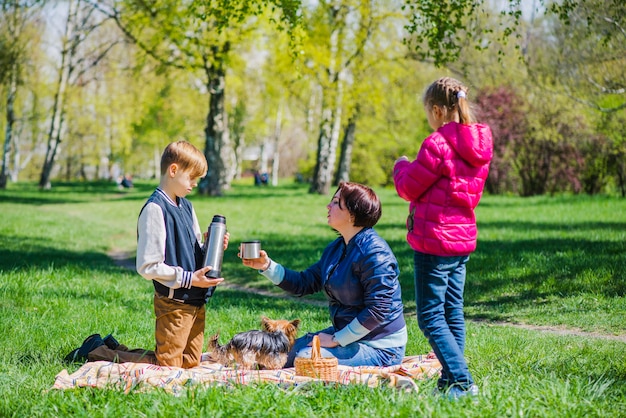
(7, 57)
(227, 12)
(277, 57)
(587, 52)
(435, 26)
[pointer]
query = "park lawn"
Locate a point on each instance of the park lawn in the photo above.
(551, 261)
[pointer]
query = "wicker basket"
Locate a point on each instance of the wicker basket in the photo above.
(324, 368)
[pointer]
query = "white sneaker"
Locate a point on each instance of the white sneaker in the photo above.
(455, 392)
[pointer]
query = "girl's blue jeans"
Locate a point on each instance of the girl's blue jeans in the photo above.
(439, 284)
(355, 354)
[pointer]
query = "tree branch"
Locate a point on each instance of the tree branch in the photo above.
(115, 15)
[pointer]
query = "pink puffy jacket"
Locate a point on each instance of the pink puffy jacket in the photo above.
(444, 185)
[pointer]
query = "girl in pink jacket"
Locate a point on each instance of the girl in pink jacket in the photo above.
(444, 185)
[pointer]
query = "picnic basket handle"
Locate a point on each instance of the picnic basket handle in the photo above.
(316, 352)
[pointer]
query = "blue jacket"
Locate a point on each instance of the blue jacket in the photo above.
(360, 280)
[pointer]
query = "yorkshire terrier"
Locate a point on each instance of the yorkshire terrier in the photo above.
(264, 349)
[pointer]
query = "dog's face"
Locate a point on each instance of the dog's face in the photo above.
(289, 328)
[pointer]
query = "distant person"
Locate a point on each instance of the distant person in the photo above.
(359, 276)
(260, 179)
(257, 178)
(170, 255)
(444, 185)
(127, 181)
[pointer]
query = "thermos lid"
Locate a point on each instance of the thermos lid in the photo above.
(219, 219)
(251, 241)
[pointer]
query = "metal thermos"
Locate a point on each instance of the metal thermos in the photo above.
(214, 246)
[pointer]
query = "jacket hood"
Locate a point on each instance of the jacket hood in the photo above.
(473, 143)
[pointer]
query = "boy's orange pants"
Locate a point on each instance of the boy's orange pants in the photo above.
(179, 334)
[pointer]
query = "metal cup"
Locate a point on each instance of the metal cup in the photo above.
(250, 249)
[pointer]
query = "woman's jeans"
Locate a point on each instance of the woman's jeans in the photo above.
(439, 283)
(354, 354)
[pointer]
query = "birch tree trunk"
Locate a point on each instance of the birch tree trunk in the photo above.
(276, 156)
(14, 20)
(18, 163)
(331, 117)
(10, 122)
(345, 158)
(57, 116)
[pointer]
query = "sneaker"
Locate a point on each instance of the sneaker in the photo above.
(80, 354)
(111, 342)
(455, 392)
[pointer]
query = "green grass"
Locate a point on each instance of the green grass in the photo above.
(551, 261)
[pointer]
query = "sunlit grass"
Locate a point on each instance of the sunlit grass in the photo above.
(553, 261)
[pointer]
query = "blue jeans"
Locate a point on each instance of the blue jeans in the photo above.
(439, 283)
(354, 354)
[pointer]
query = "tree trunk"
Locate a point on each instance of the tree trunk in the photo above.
(325, 156)
(10, 122)
(19, 163)
(276, 156)
(14, 23)
(263, 157)
(621, 173)
(237, 135)
(330, 123)
(56, 120)
(218, 149)
(16, 154)
(345, 158)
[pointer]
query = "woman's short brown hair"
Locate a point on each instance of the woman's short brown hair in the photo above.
(361, 202)
(188, 157)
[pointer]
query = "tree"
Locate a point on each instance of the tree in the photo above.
(345, 157)
(342, 33)
(440, 30)
(75, 62)
(198, 37)
(332, 15)
(15, 16)
(613, 126)
(503, 109)
(582, 58)
(9, 71)
(588, 53)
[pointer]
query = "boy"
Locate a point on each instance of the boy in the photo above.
(168, 253)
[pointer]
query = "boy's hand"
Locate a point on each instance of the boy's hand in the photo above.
(200, 280)
(226, 239)
(261, 263)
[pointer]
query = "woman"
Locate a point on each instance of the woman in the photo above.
(359, 275)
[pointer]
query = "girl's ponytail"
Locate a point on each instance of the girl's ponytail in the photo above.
(466, 116)
(451, 95)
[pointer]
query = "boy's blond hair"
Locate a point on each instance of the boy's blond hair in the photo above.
(188, 157)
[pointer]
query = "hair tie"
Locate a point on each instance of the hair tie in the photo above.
(460, 94)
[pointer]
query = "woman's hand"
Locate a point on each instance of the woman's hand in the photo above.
(327, 340)
(261, 263)
(199, 278)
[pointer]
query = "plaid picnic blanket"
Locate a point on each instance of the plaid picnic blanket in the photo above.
(127, 377)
